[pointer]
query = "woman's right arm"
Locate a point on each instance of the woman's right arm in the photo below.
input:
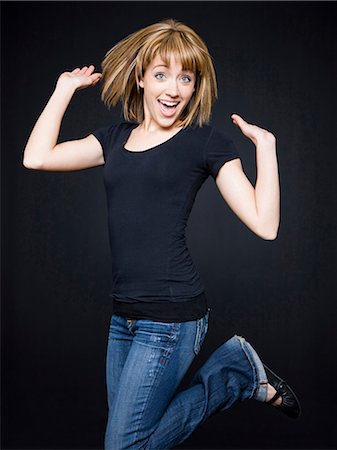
(42, 151)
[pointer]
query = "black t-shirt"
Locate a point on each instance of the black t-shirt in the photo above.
(150, 195)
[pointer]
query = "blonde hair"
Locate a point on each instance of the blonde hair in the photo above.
(125, 64)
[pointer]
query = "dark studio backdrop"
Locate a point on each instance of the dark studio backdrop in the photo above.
(276, 66)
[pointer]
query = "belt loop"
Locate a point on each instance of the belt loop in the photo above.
(130, 324)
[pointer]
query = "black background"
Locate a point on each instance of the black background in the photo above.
(276, 66)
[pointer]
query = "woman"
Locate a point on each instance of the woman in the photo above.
(154, 164)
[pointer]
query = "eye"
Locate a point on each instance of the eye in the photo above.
(186, 78)
(159, 76)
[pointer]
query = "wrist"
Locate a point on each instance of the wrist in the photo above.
(266, 139)
(65, 89)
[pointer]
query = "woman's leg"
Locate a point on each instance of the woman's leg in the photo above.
(232, 373)
(147, 412)
(157, 361)
(119, 344)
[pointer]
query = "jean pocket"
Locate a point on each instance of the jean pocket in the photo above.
(201, 331)
(157, 334)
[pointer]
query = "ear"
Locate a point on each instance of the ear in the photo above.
(141, 83)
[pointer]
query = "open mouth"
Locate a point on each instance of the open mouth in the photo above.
(168, 108)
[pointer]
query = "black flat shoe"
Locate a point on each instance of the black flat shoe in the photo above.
(290, 404)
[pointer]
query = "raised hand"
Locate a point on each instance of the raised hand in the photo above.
(80, 78)
(253, 132)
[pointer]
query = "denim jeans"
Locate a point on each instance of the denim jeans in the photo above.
(146, 361)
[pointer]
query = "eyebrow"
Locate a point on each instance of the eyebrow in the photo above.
(164, 65)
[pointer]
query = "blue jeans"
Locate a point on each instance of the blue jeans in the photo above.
(146, 361)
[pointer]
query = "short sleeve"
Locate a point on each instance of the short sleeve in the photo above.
(104, 136)
(219, 149)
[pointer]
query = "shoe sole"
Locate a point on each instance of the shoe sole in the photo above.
(292, 392)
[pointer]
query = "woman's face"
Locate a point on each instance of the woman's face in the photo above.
(167, 91)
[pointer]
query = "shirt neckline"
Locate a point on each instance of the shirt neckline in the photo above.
(155, 147)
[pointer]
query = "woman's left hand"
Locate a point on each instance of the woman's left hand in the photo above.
(253, 132)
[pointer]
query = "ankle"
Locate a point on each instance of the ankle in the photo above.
(270, 394)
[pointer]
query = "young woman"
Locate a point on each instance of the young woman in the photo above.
(155, 161)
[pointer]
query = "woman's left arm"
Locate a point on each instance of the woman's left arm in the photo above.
(258, 208)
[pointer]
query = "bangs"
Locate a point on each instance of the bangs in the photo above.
(175, 43)
(125, 64)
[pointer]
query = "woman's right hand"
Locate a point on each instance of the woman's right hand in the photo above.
(79, 78)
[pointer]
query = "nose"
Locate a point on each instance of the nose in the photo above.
(172, 88)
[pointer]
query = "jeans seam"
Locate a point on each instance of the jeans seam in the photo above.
(155, 378)
(202, 326)
(160, 368)
(196, 346)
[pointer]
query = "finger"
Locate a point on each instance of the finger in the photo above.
(84, 68)
(243, 122)
(236, 119)
(76, 70)
(96, 78)
(90, 69)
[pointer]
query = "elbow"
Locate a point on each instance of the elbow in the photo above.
(31, 158)
(267, 235)
(28, 164)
